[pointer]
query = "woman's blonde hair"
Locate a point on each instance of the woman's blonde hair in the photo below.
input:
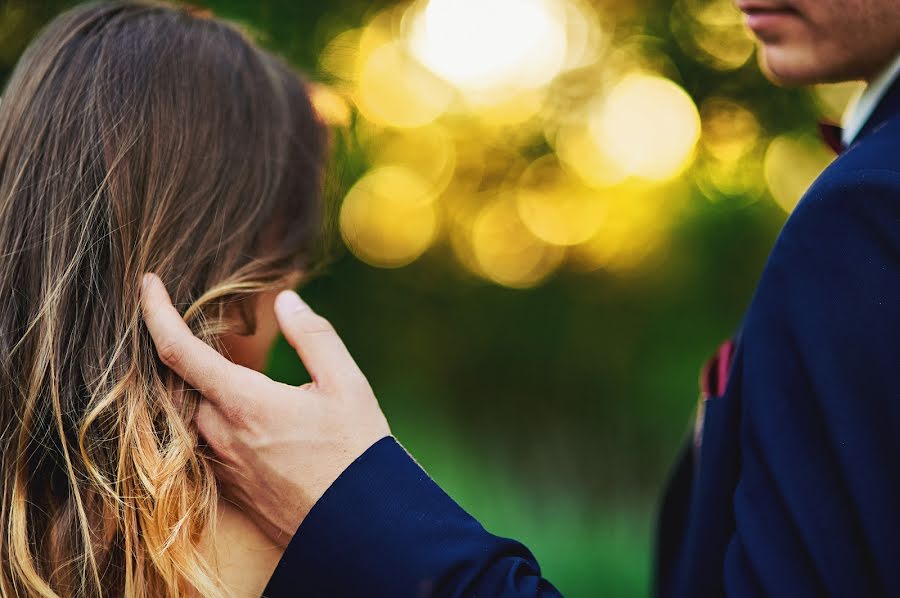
(134, 137)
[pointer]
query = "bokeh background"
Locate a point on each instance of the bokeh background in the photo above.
(546, 214)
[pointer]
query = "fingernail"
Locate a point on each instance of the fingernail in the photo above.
(290, 302)
(145, 280)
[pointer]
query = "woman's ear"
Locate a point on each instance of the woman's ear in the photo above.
(252, 350)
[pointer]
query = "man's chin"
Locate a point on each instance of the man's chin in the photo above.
(785, 68)
(790, 67)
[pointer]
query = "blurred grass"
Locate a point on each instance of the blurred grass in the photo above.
(582, 548)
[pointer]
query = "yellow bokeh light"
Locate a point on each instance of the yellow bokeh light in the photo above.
(454, 98)
(648, 125)
(730, 130)
(506, 251)
(741, 181)
(470, 164)
(791, 165)
(388, 218)
(555, 207)
(428, 151)
(512, 110)
(380, 30)
(461, 207)
(485, 166)
(833, 98)
(712, 32)
(394, 89)
(339, 57)
(579, 151)
(344, 57)
(638, 53)
(584, 34)
(634, 231)
(731, 164)
(486, 47)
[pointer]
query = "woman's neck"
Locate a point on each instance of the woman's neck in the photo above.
(243, 555)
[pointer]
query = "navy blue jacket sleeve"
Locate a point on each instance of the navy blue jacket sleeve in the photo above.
(384, 528)
(817, 502)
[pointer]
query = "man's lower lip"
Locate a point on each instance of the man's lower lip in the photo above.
(765, 19)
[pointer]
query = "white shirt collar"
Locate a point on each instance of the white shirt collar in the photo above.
(859, 110)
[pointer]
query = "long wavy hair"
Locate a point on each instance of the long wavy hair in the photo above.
(134, 137)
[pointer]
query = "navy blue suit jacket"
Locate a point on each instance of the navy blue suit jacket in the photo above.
(795, 488)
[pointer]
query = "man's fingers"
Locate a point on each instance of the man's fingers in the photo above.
(197, 363)
(316, 342)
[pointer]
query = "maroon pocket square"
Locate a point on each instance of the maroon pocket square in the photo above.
(714, 374)
(713, 381)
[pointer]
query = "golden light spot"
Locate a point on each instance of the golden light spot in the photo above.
(583, 34)
(388, 217)
(339, 57)
(487, 46)
(487, 165)
(510, 110)
(634, 231)
(381, 29)
(739, 180)
(712, 32)
(731, 161)
(649, 126)
(462, 207)
(555, 207)
(428, 151)
(638, 53)
(791, 165)
(394, 89)
(331, 107)
(730, 131)
(579, 151)
(506, 251)
(470, 163)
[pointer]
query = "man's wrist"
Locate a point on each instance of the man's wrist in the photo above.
(293, 518)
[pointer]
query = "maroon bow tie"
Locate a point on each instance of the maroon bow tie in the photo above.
(831, 134)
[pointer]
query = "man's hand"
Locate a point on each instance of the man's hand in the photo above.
(279, 446)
